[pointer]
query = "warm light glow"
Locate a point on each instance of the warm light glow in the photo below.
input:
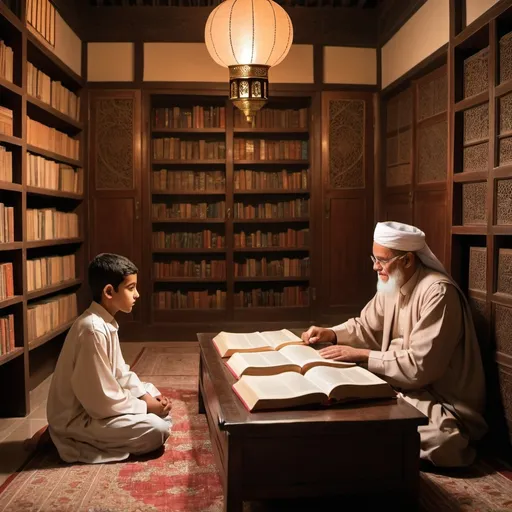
(248, 32)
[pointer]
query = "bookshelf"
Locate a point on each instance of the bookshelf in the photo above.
(229, 209)
(41, 184)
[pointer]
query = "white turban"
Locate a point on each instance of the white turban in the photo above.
(402, 237)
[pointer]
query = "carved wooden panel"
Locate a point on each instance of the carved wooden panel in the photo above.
(505, 379)
(476, 123)
(476, 158)
(346, 143)
(478, 268)
(399, 175)
(392, 150)
(114, 133)
(480, 318)
(405, 108)
(432, 142)
(476, 73)
(504, 202)
(506, 58)
(503, 328)
(505, 271)
(392, 115)
(473, 203)
(404, 146)
(505, 154)
(398, 207)
(432, 97)
(506, 114)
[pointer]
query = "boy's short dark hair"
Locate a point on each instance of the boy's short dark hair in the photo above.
(107, 268)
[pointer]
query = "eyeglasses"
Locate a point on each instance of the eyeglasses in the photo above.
(382, 262)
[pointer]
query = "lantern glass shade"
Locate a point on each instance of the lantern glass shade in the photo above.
(248, 32)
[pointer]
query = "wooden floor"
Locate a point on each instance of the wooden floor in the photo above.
(13, 431)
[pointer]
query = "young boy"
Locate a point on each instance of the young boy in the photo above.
(99, 410)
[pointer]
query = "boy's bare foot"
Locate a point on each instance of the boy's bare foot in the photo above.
(40, 440)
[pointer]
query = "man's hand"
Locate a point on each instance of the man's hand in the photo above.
(156, 406)
(318, 335)
(345, 353)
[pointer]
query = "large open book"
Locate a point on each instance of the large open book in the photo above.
(228, 343)
(290, 358)
(319, 385)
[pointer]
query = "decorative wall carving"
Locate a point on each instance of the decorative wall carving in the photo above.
(392, 150)
(346, 143)
(432, 144)
(506, 114)
(398, 175)
(505, 271)
(476, 123)
(405, 108)
(503, 328)
(480, 318)
(476, 158)
(504, 202)
(476, 73)
(505, 156)
(432, 97)
(473, 203)
(478, 268)
(506, 58)
(404, 147)
(114, 134)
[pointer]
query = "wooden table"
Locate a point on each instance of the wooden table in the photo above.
(350, 449)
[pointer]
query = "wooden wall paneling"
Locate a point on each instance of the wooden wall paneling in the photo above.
(115, 176)
(347, 201)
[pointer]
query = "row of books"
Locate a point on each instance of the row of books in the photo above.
(288, 296)
(167, 180)
(205, 239)
(43, 272)
(41, 16)
(7, 341)
(172, 148)
(197, 116)
(215, 269)
(52, 92)
(260, 149)
(6, 281)
(6, 62)
(51, 139)
(51, 224)
(6, 121)
(52, 175)
(189, 211)
(263, 267)
(293, 209)
(5, 165)
(289, 238)
(50, 314)
(201, 299)
(6, 224)
(273, 118)
(247, 179)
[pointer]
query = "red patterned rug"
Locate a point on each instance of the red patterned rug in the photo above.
(184, 478)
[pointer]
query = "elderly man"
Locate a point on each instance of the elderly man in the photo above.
(417, 333)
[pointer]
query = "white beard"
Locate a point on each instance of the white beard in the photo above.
(393, 284)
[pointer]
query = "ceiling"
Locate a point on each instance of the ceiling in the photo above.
(358, 4)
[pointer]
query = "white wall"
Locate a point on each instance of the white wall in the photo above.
(347, 65)
(110, 62)
(475, 8)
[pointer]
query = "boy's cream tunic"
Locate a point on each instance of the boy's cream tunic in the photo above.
(94, 411)
(423, 343)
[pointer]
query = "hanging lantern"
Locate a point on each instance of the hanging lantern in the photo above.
(248, 37)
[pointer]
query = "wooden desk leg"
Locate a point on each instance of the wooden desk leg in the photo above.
(233, 501)
(200, 405)
(411, 471)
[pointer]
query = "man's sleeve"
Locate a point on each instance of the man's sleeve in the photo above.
(432, 342)
(366, 330)
(94, 383)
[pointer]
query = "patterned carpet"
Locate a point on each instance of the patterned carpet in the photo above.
(183, 477)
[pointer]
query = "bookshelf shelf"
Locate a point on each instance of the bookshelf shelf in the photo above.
(472, 101)
(271, 162)
(9, 86)
(13, 187)
(200, 250)
(271, 221)
(187, 221)
(470, 177)
(49, 335)
(157, 192)
(188, 280)
(53, 156)
(188, 130)
(270, 131)
(38, 109)
(10, 17)
(11, 246)
(271, 249)
(8, 139)
(5, 358)
(41, 292)
(270, 279)
(49, 243)
(53, 193)
(469, 230)
(11, 301)
(272, 191)
(189, 162)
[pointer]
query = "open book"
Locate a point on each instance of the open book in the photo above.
(228, 343)
(291, 358)
(319, 385)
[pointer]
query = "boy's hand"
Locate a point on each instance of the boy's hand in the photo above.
(156, 406)
(163, 400)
